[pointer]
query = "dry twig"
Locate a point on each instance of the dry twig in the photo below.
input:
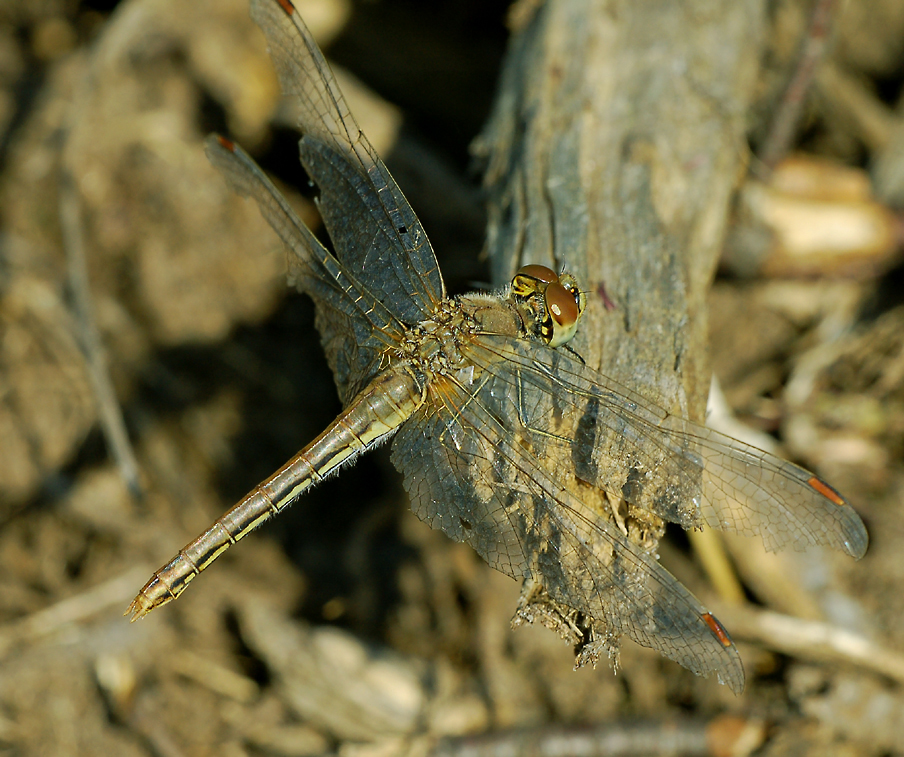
(721, 736)
(811, 640)
(110, 414)
(784, 124)
(38, 625)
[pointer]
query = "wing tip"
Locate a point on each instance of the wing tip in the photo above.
(855, 539)
(857, 543)
(732, 674)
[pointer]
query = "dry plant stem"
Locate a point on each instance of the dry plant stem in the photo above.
(614, 149)
(846, 99)
(111, 419)
(612, 740)
(214, 677)
(159, 742)
(710, 547)
(784, 124)
(32, 628)
(812, 640)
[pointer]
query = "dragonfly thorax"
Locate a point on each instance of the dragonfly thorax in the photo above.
(550, 304)
(433, 345)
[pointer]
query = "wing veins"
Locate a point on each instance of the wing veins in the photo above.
(689, 614)
(745, 489)
(326, 118)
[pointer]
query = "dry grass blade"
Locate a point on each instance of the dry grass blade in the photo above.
(109, 410)
(812, 640)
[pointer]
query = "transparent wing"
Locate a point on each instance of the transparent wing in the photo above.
(372, 226)
(683, 472)
(354, 326)
(467, 474)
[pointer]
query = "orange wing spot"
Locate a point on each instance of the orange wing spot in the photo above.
(286, 6)
(225, 143)
(717, 628)
(826, 491)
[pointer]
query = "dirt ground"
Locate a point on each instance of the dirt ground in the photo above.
(132, 281)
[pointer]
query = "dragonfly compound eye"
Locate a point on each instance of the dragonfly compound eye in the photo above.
(538, 272)
(564, 311)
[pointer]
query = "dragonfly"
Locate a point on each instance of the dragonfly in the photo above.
(505, 439)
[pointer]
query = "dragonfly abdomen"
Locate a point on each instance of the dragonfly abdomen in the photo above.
(378, 410)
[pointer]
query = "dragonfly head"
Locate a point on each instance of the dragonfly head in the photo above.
(550, 304)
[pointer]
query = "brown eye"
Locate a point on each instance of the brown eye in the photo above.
(539, 272)
(561, 304)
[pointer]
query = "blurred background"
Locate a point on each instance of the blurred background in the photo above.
(138, 295)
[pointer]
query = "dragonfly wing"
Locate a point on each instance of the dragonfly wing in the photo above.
(353, 332)
(681, 471)
(467, 474)
(439, 477)
(372, 226)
